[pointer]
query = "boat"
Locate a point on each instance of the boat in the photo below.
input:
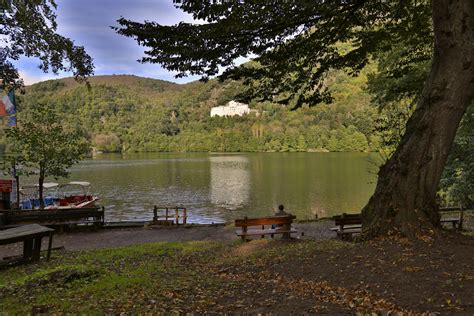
(29, 195)
(74, 194)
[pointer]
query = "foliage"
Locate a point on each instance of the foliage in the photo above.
(127, 113)
(457, 184)
(28, 28)
(44, 145)
(107, 143)
(296, 42)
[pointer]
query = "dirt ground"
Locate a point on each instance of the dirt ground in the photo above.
(430, 278)
(313, 274)
(117, 237)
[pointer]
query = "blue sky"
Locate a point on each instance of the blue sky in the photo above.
(88, 23)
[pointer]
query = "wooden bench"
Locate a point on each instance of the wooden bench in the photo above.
(31, 236)
(283, 224)
(54, 217)
(456, 220)
(347, 225)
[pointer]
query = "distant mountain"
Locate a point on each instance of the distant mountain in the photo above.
(144, 85)
(130, 113)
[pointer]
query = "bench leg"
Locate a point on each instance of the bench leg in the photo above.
(36, 249)
(50, 244)
(27, 249)
(340, 235)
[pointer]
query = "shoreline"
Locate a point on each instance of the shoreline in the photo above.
(128, 236)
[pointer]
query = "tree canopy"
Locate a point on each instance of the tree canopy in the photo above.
(28, 28)
(44, 146)
(296, 43)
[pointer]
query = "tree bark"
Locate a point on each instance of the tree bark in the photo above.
(405, 196)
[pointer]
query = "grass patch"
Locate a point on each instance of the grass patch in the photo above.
(175, 277)
(146, 277)
(261, 276)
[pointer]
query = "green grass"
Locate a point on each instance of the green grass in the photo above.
(150, 277)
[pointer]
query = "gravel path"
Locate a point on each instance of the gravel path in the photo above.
(117, 237)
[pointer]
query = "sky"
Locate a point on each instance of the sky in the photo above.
(88, 22)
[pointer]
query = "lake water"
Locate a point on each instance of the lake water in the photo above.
(221, 187)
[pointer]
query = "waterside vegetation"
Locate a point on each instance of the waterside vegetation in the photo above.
(128, 113)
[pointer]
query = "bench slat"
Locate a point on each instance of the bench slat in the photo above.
(345, 227)
(257, 232)
(449, 220)
(350, 231)
(352, 221)
(277, 220)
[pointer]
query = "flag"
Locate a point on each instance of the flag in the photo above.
(3, 108)
(7, 108)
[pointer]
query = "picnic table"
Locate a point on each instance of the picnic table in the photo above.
(31, 236)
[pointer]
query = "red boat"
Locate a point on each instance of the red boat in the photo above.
(75, 194)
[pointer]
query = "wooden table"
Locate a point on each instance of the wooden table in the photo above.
(31, 236)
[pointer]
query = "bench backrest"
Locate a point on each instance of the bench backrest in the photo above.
(348, 219)
(276, 220)
(450, 208)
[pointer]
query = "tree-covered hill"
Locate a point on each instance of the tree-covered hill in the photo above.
(130, 113)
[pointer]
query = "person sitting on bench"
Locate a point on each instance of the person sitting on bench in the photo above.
(280, 212)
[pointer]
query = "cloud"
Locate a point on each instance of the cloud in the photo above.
(31, 78)
(88, 23)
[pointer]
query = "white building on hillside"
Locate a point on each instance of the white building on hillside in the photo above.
(230, 109)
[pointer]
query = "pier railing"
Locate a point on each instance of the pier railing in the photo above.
(169, 215)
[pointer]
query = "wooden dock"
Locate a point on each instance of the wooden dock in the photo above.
(92, 216)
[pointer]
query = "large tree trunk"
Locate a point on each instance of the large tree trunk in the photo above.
(405, 197)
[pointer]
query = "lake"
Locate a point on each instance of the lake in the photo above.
(219, 187)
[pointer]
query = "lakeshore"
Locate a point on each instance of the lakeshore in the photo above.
(119, 237)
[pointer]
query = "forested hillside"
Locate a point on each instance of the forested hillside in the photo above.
(129, 113)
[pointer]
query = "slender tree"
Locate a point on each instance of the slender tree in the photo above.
(28, 28)
(45, 146)
(296, 42)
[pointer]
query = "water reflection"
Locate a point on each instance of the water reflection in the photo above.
(230, 181)
(222, 187)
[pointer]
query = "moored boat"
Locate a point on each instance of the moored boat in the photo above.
(74, 194)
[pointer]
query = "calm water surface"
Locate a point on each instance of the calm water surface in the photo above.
(222, 187)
